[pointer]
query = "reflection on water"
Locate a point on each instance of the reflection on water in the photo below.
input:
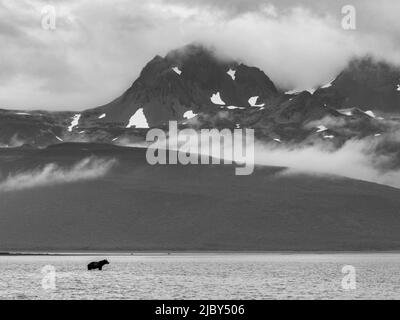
(203, 276)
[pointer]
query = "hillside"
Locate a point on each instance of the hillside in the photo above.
(136, 206)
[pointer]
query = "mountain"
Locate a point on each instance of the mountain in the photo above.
(199, 89)
(367, 84)
(185, 80)
(136, 206)
(32, 128)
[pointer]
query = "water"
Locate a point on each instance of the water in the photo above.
(203, 276)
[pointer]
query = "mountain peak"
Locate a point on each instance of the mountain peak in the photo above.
(187, 79)
(367, 83)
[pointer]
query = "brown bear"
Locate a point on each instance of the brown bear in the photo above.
(97, 265)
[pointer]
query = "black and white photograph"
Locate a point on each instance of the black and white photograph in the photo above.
(199, 150)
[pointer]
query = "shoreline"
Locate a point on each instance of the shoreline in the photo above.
(189, 253)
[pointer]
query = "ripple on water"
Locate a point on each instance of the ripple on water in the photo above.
(241, 276)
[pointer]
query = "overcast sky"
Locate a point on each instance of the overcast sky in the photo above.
(99, 47)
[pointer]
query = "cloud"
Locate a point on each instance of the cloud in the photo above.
(356, 159)
(373, 159)
(99, 48)
(52, 174)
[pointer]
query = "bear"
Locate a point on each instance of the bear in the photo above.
(97, 265)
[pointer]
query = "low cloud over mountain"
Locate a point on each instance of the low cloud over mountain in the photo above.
(52, 174)
(356, 159)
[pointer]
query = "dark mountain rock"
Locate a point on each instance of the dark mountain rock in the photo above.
(366, 84)
(165, 94)
(35, 128)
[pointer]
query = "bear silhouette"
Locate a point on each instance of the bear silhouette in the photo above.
(97, 265)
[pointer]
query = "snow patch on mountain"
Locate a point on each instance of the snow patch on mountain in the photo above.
(102, 116)
(177, 70)
(74, 122)
(370, 113)
(189, 114)
(234, 107)
(322, 128)
(216, 99)
(138, 120)
(232, 73)
(253, 102)
(346, 112)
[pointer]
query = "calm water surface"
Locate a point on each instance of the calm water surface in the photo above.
(203, 276)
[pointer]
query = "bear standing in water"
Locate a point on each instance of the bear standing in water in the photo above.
(97, 265)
